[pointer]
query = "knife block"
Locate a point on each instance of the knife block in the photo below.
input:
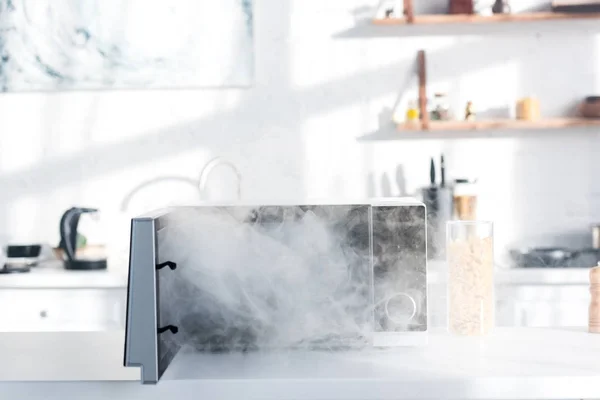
(594, 324)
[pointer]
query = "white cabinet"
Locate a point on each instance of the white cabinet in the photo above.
(71, 309)
(527, 305)
(542, 306)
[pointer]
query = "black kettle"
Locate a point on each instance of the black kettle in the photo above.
(69, 242)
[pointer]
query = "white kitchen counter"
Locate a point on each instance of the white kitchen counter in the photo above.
(52, 275)
(514, 363)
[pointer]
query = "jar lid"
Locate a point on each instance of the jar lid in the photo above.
(465, 187)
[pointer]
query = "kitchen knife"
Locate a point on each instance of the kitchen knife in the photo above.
(443, 171)
(432, 172)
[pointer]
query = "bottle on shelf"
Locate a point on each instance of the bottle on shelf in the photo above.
(470, 112)
(461, 7)
(412, 113)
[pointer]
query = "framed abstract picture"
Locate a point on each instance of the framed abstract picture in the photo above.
(48, 45)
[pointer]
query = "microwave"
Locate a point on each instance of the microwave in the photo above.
(227, 278)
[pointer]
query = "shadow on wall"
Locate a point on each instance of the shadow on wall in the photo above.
(169, 141)
(230, 124)
(385, 188)
(233, 131)
(543, 199)
(236, 127)
(553, 193)
(558, 173)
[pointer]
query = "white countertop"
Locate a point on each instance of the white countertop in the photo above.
(64, 356)
(513, 363)
(52, 275)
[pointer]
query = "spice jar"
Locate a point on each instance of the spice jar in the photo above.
(528, 109)
(470, 253)
(441, 108)
(412, 113)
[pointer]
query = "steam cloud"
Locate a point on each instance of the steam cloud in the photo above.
(279, 277)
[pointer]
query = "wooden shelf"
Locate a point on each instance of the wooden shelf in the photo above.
(433, 19)
(555, 123)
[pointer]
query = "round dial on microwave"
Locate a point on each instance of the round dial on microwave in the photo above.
(400, 308)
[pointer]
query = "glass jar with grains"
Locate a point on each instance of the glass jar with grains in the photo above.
(470, 256)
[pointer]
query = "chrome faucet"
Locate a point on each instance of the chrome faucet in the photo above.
(150, 182)
(208, 169)
(199, 184)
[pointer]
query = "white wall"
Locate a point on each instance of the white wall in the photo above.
(320, 84)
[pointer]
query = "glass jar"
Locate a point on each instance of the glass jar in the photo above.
(465, 200)
(441, 108)
(528, 109)
(470, 254)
